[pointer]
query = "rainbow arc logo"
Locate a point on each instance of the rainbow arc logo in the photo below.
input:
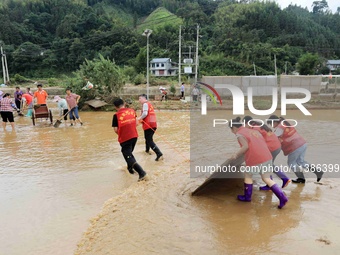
(210, 91)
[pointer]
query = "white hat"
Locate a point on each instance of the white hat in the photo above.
(56, 98)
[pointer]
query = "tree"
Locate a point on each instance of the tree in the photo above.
(107, 77)
(319, 6)
(307, 64)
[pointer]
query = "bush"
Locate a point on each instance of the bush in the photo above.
(52, 82)
(20, 79)
(139, 79)
(104, 74)
(173, 89)
(130, 73)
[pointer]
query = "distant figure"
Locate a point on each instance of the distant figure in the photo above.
(124, 124)
(28, 101)
(72, 101)
(148, 117)
(28, 91)
(195, 92)
(164, 93)
(62, 106)
(182, 90)
(41, 95)
(6, 110)
(17, 97)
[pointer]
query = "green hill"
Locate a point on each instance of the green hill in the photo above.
(46, 38)
(159, 18)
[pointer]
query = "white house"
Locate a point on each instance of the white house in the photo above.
(333, 64)
(163, 67)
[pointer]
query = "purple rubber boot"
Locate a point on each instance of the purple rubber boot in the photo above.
(266, 187)
(282, 176)
(248, 191)
(281, 196)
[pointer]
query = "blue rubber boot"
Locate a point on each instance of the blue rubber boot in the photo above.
(29, 113)
(281, 196)
(285, 179)
(248, 191)
(266, 187)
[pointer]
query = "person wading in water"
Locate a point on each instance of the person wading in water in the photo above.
(125, 126)
(148, 118)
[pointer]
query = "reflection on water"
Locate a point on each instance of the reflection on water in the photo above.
(53, 180)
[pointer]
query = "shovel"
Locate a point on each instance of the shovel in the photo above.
(58, 122)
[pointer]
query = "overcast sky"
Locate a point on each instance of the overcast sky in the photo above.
(332, 4)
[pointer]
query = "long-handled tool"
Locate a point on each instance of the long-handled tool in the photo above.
(58, 122)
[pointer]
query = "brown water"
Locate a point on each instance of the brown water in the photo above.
(53, 180)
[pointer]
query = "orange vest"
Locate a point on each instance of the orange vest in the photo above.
(150, 120)
(290, 139)
(126, 124)
(258, 151)
(271, 139)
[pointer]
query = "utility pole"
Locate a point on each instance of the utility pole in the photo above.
(147, 33)
(196, 58)
(6, 67)
(3, 65)
(275, 65)
(179, 55)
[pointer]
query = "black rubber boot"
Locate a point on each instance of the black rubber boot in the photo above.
(300, 176)
(318, 171)
(158, 153)
(299, 180)
(140, 171)
(147, 148)
(129, 168)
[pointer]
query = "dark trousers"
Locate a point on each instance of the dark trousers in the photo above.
(65, 111)
(148, 135)
(182, 94)
(127, 149)
(18, 104)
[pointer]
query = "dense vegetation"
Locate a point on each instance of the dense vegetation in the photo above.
(46, 38)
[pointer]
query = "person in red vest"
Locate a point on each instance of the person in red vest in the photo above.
(148, 117)
(294, 146)
(125, 125)
(274, 146)
(258, 159)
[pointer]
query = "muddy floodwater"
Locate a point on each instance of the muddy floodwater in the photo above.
(66, 190)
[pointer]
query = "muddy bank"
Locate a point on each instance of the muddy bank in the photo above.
(318, 101)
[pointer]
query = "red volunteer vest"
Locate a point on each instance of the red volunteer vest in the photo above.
(126, 124)
(150, 120)
(258, 151)
(290, 139)
(271, 139)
